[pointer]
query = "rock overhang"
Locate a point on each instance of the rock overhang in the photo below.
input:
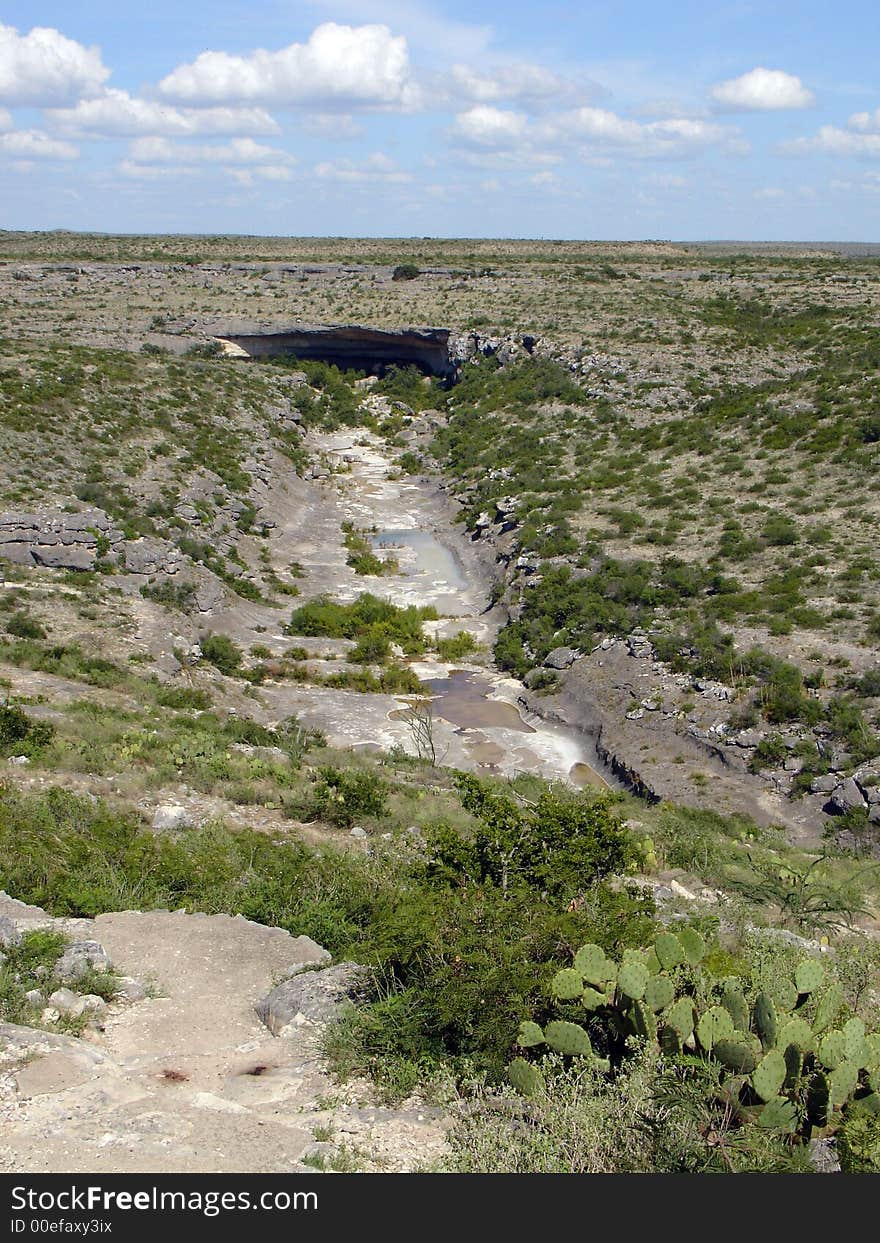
(353, 346)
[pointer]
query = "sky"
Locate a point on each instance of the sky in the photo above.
(624, 119)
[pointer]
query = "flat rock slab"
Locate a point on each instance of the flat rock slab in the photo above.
(191, 1080)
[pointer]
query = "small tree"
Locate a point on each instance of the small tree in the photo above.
(420, 722)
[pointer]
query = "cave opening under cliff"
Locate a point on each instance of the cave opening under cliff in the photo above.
(371, 350)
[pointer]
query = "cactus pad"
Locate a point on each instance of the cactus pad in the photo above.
(832, 1050)
(716, 1024)
(659, 992)
(567, 984)
(592, 999)
(735, 1005)
(680, 1018)
(764, 1017)
(735, 1055)
(828, 1008)
(842, 1083)
(530, 1035)
(857, 1049)
(524, 1077)
(641, 1021)
(693, 945)
(785, 995)
(796, 1031)
(591, 962)
(632, 979)
(794, 1064)
(778, 1115)
(817, 1100)
(769, 1075)
(568, 1038)
(669, 1040)
(809, 975)
(669, 950)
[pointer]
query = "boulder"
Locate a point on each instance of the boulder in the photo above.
(639, 646)
(561, 658)
(312, 996)
(9, 934)
(847, 797)
(64, 1000)
(63, 556)
(170, 816)
(823, 785)
(78, 959)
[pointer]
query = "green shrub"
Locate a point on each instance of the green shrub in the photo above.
(19, 734)
(222, 652)
(344, 797)
(24, 627)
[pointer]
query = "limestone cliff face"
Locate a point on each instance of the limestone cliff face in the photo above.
(351, 346)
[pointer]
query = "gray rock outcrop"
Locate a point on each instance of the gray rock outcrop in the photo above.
(81, 957)
(312, 996)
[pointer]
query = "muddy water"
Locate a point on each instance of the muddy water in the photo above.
(429, 558)
(462, 700)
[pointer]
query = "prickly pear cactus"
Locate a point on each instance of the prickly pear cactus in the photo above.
(828, 1008)
(735, 1055)
(669, 950)
(769, 1075)
(809, 975)
(716, 1024)
(764, 1018)
(737, 1007)
(779, 1114)
(796, 1031)
(659, 992)
(680, 1017)
(568, 1038)
(856, 1046)
(524, 1077)
(530, 1035)
(632, 979)
(832, 1050)
(593, 965)
(806, 1074)
(567, 984)
(842, 1083)
(693, 945)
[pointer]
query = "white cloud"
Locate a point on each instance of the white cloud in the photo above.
(426, 25)
(763, 90)
(831, 140)
(675, 138)
(263, 172)
(5, 120)
(865, 122)
(238, 151)
(484, 126)
(34, 144)
(528, 85)
(116, 114)
(356, 66)
(595, 130)
(378, 167)
(44, 67)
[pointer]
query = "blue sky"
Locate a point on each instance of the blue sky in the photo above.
(623, 119)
